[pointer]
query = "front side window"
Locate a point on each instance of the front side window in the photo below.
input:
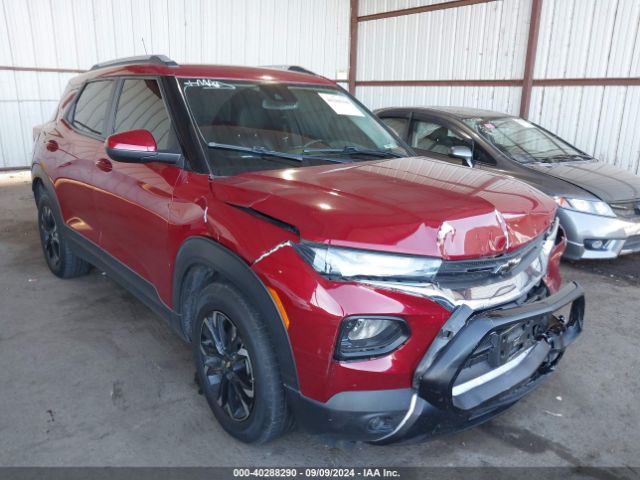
(91, 108)
(435, 138)
(140, 106)
(297, 125)
(398, 125)
(523, 141)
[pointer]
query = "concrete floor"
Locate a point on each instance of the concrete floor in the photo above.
(89, 376)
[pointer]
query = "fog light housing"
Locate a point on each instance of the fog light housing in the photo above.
(380, 424)
(596, 244)
(364, 337)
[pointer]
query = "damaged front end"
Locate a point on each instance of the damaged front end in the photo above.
(507, 328)
(482, 363)
(477, 283)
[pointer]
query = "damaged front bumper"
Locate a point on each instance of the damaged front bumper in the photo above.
(480, 364)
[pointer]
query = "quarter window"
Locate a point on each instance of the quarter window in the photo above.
(92, 106)
(141, 107)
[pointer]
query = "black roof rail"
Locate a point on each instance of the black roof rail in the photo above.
(155, 59)
(292, 68)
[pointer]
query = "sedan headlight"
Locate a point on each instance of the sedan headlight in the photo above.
(595, 207)
(354, 264)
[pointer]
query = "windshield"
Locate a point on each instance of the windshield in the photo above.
(523, 141)
(279, 125)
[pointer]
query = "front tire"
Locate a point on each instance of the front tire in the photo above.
(236, 366)
(57, 252)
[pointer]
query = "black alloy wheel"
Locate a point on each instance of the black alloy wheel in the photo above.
(50, 236)
(226, 366)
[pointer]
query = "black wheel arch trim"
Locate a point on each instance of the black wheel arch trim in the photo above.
(40, 176)
(202, 251)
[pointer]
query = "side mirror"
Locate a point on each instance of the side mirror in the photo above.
(137, 146)
(464, 153)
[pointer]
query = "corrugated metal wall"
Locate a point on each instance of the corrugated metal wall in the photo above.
(478, 41)
(591, 38)
(75, 34)
(485, 41)
(577, 39)
(370, 7)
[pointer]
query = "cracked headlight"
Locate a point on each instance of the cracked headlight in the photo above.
(595, 207)
(354, 264)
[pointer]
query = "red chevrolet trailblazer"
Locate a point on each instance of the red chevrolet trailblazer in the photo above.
(318, 271)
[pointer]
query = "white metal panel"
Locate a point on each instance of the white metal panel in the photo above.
(81, 13)
(602, 121)
(79, 33)
(13, 149)
(369, 7)
(64, 34)
(75, 34)
(628, 144)
(589, 38)
(484, 41)
(503, 99)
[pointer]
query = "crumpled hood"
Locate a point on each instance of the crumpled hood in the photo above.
(405, 205)
(607, 182)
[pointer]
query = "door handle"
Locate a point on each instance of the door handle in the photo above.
(104, 165)
(52, 145)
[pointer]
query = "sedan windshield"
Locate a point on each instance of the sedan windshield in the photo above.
(524, 141)
(259, 126)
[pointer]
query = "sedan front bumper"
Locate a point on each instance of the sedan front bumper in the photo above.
(620, 236)
(480, 364)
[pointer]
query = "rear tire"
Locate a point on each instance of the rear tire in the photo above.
(236, 366)
(57, 252)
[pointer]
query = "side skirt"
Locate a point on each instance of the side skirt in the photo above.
(130, 280)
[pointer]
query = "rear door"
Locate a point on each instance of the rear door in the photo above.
(79, 140)
(133, 199)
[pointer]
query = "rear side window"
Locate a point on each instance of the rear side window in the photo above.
(91, 108)
(141, 107)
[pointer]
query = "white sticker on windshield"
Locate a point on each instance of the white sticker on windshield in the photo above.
(208, 83)
(523, 123)
(341, 104)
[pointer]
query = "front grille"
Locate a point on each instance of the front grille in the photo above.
(484, 271)
(629, 210)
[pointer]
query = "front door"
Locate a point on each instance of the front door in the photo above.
(133, 199)
(435, 139)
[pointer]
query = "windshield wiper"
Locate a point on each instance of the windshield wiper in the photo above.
(265, 152)
(262, 151)
(353, 150)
